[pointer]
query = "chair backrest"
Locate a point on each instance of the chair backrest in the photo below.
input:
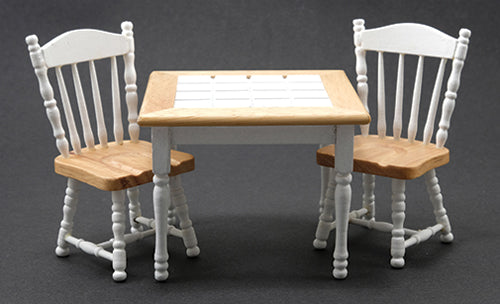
(72, 48)
(422, 41)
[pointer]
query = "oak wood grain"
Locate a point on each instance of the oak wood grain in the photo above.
(389, 157)
(118, 167)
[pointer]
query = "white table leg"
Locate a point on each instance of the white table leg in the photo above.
(161, 198)
(343, 167)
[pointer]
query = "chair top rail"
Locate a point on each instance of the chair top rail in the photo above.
(409, 38)
(83, 45)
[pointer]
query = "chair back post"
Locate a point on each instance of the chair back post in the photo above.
(361, 69)
(53, 114)
(130, 83)
(452, 87)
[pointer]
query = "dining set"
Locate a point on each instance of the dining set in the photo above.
(318, 107)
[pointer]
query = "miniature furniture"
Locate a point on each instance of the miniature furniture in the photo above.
(393, 156)
(110, 166)
(250, 107)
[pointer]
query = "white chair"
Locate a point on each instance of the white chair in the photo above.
(110, 166)
(392, 156)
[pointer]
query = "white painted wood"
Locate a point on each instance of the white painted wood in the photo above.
(436, 92)
(254, 135)
(326, 217)
(381, 123)
(343, 167)
(130, 83)
(355, 218)
(369, 196)
(325, 172)
(89, 248)
(118, 218)
(161, 197)
(83, 45)
(409, 38)
(88, 135)
(398, 109)
(69, 209)
(39, 65)
(117, 112)
(453, 85)
(101, 127)
(436, 198)
(342, 194)
(68, 112)
(134, 209)
(398, 217)
(415, 105)
(422, 235)
(361, 69)
(182, 211)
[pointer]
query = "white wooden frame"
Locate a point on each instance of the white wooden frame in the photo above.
(165, 138)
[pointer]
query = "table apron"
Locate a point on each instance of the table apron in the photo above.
(253, 135)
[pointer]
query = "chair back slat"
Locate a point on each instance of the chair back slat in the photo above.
(452, 87)
(88, 135)
(72, 48)
(415, 104)
(381, 123)
(130, 86)
(436, 92)
(83, 45)
(117, 113)
(402, 38)
(422, 41)
(102, 134)
(68, 112)
(398, 109)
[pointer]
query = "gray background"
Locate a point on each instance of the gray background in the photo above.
(254, 207)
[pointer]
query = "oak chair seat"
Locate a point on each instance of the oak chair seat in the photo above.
(388, 157)
(118, 167)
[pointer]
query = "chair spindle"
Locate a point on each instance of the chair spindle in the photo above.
(436, 92)
(82, 107)
(101, 126)
(68, 112)
(115, 91)
(398, 109)
(415, 104)
(381, 122)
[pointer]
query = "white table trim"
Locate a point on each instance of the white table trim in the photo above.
(164, 138)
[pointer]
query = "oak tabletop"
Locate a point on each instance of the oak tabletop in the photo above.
(158, 107)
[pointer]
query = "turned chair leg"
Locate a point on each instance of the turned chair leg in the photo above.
(69, 209)
(134, 209)
(436, 198)
(325, 172)
(172, 218)
(118, 217)
(326, 217)
(398, 217)
(182, 211)
(369, 196)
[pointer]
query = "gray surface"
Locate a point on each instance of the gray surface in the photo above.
(256, 214)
